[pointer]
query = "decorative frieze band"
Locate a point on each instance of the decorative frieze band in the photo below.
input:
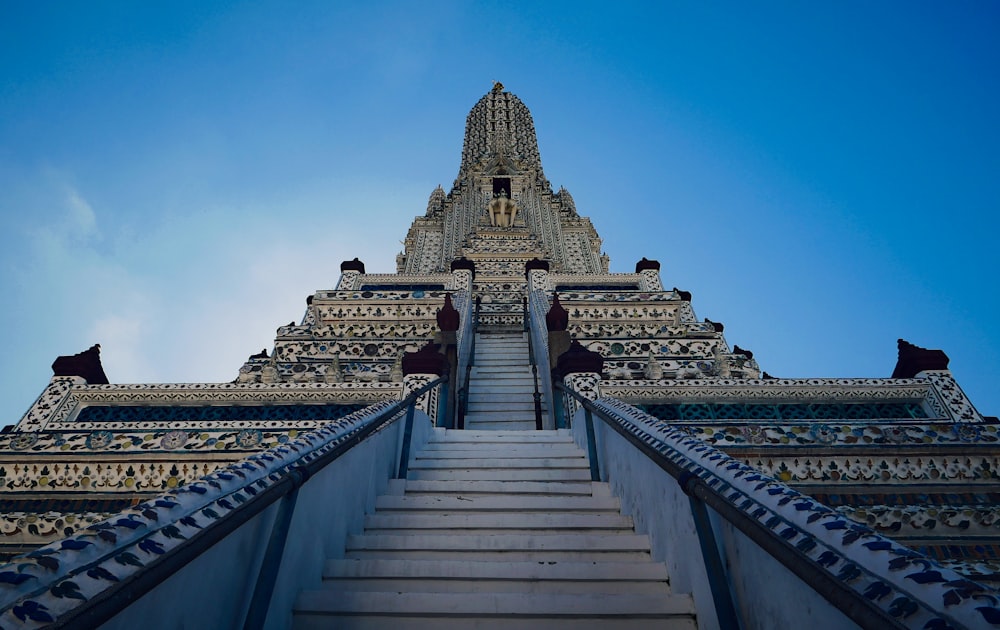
(65, 395)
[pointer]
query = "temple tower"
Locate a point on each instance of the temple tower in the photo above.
(501, 210)
(502, 429)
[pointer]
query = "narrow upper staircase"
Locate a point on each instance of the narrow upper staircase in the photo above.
(496, 529)
(501, 385)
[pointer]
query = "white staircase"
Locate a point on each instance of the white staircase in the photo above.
(496, 529)
(501, 385)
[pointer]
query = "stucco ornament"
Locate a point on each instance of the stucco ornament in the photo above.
(174, 439)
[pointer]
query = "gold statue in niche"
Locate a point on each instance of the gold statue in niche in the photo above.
(502, 210)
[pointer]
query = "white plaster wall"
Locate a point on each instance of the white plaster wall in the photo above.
(767, 595)
(659, 509)
(213, 591)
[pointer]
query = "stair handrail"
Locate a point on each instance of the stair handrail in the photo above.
(536, 395)
(538, 345)
(177, 527)
(798, 531)
(466, 356)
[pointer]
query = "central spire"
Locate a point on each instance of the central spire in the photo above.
(501, 211)
(500, 136)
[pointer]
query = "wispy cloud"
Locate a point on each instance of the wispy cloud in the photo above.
(82, 217)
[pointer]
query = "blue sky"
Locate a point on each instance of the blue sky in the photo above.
(174, 180)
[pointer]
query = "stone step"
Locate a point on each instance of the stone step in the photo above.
(472, 488)
(485, 403)
(516, 367)
(415, 552)
(505, 407)
(498, 522)
(483, 437)
(520, 415)
(501, 414)
(510, 370)
(308, 620)
(503, 401)
(499, 399)
(500, 384)
(513, 571)
(500, 421)
(496, 529)
(556, 547)
(496, 438)
(500, 381)
(487, 349)
(537, 463)
(513, 606)
(510, 609)
(527, 503)
(481, 381)
(522, 425)
(555, 587)
(489, 385)
(503, 421)
(501, 448)
(501, 474)
(502, 338)
(517, 451)
(436, 576)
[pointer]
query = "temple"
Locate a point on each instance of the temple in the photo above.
(502, 432)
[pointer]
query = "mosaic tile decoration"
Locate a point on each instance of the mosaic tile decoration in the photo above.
(774, 391)
(904, 496)
(211, 413)
(905, 584)
(922, 522)
(38, 587)
(603, 288)
(416, 289)
(784, 411)
(887, 468)
(13, 503)
(58, 404)
(831, 434)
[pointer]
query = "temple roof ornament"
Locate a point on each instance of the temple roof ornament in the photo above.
(500, 126)
(914, 359)
(86, 364)
(500, 184)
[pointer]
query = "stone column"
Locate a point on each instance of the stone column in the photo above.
(580, 370)
(429, 400)
(350, 272)
(556, 322)
(537, 273)
(946, 398)
(650, 272)
(463, 272)
(419, 368)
